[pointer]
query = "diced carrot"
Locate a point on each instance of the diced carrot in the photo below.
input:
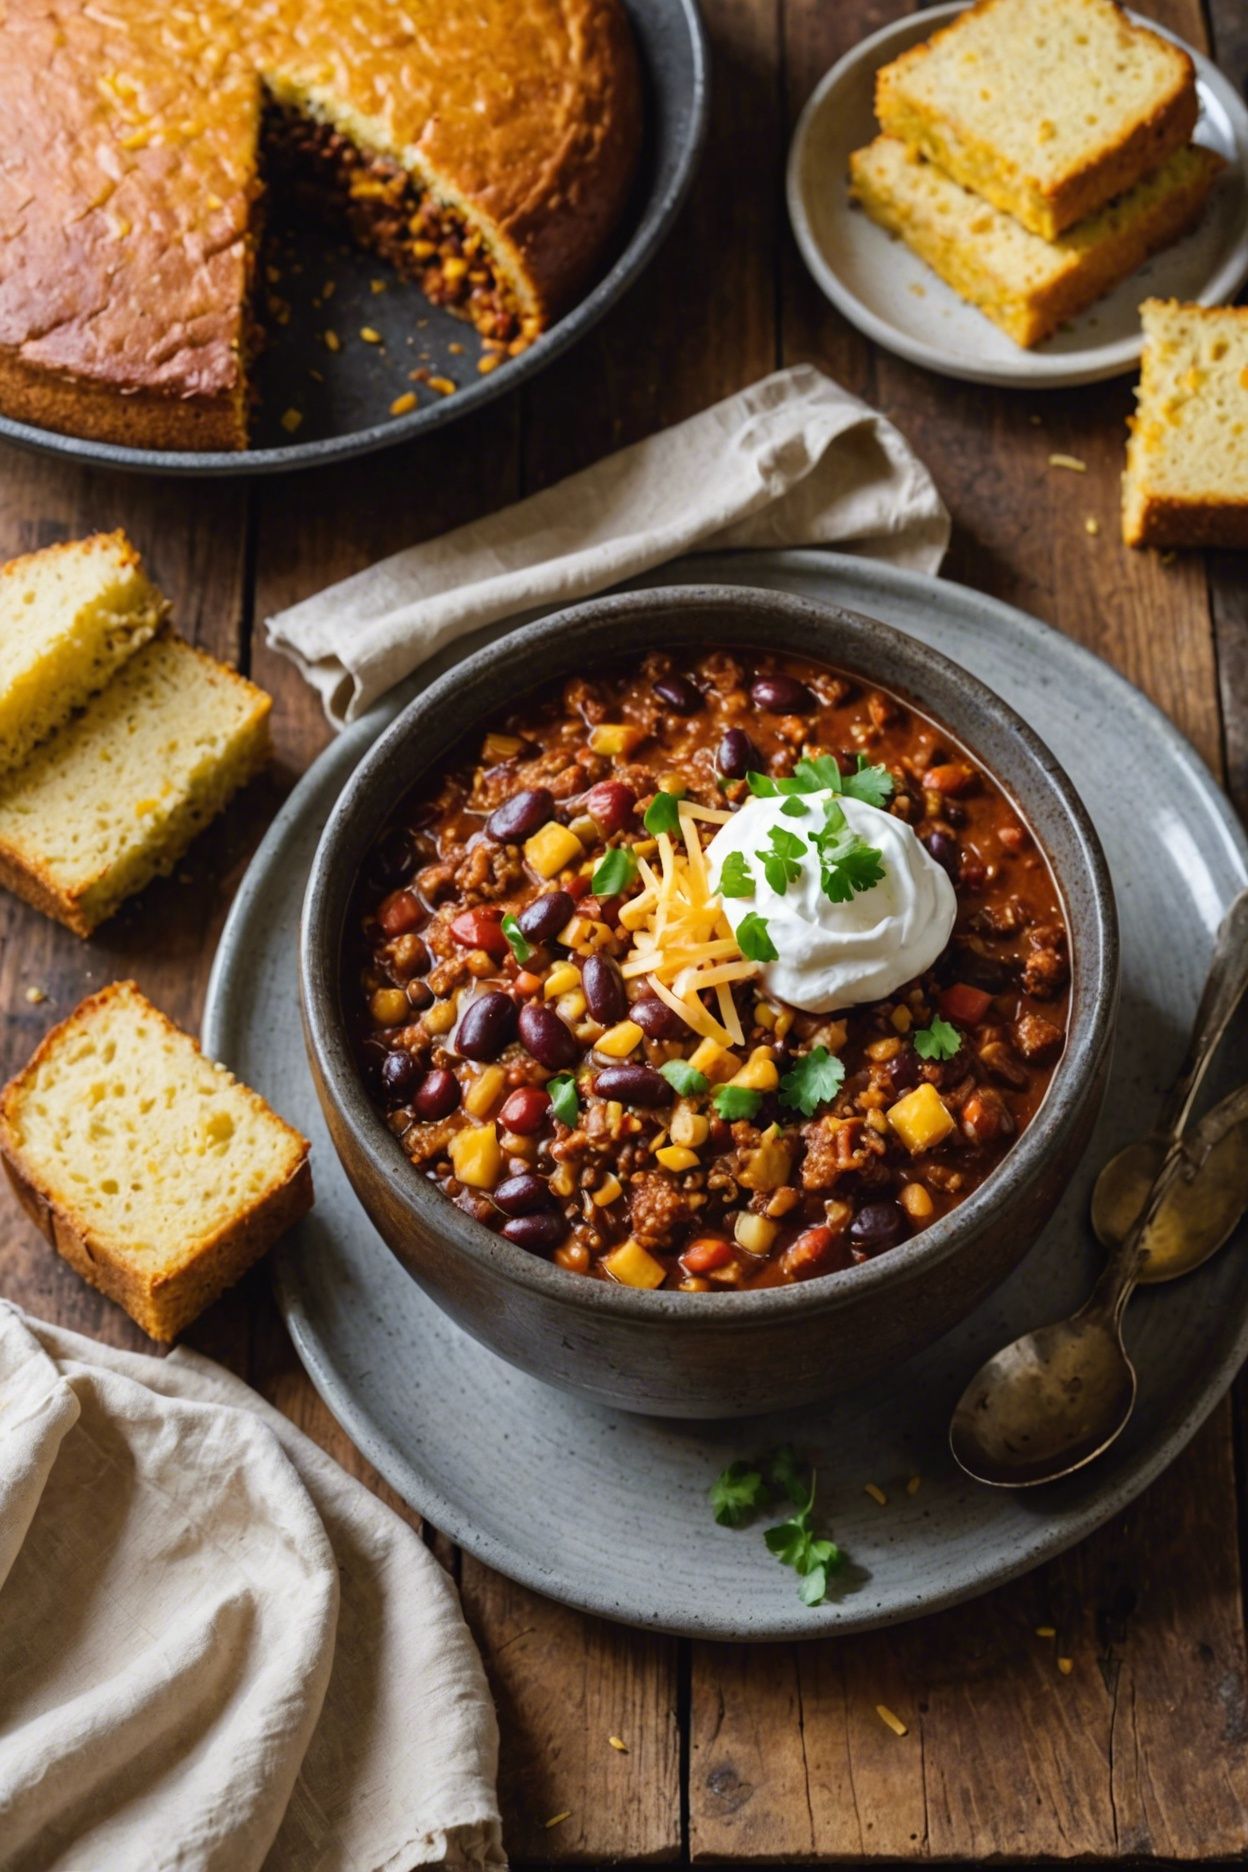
(528, 984)
(950, 777)
(965, 1004)
(705, 1254)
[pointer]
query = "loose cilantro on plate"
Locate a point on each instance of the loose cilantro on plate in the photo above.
(684, 1078)
(795, 1543)
(521, 949)
(736, 1493)
(753, 939)
(783, 862)
(846, 862)
(744, 1487)
(817, 1078)
(564, 1101)
(663, 813)
(940, 1041)
(733, 1102)
(615, 872)
(734, 877)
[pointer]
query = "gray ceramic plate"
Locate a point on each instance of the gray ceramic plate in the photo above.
(608, 1512)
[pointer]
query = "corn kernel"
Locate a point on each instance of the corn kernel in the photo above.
(476, 1158)
(485, 1091)
(882, 1050)
(404, 404)
(584, 827)
(878, 1122)
(784, 1022)
(608, 1191)
(388, 1007)
(440, 1018)
(767, 1167)
(500, 747)
(552, 847)
(615, 738)
(714, 1061)
(676, 1157)
(563, 1182)
(570, 1007)
(764, 1014)
(759, 1073)
(645, 848)
(754, 1233)
(619, 1041)
(916, 1202)
(562, 977)
(921, 1119)
(902, 1020)
(689, 1127)
(615, 1117)
(632, 1266)
(783, 1201)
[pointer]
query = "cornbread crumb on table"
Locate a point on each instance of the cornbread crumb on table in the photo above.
(69, 616)
(154, 1172)
(1046, 108)
(1186, 479)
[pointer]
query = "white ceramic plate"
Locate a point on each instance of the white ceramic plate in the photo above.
(608, 1511)
(895, 298)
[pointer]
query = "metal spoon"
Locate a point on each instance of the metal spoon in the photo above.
(1123, 1185)
(1054, 1399)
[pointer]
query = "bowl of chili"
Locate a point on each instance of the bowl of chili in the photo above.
(541, 996)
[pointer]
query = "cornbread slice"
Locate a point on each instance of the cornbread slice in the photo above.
(117, 795)
(1046, 108)
(69, 616)
(1186, 480)
(155, 1173)
(1024, 284)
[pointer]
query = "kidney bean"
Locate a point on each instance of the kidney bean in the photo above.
(399, 1072)
(520, 1195)
(736, 755)
(605, 995)
(487, 1026)
(610, 805)
(904, 1070)
(808, 1252)
(481, 929)
(543, 919)
(681, 696)
(546, 1228)
(635, 1085)
(706, 1254)
(781, 695)
(876, 1226)
(524, 1110)
(438, 1095)
(656, 1020)
(944, 850)
(521, 815)
(400, 913)
(547, 1038)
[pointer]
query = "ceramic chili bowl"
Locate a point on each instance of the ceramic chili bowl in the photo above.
(712, 1354)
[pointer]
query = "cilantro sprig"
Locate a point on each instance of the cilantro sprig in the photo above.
(821, 773)
(847, 864)
(615, 872)
(784, 861)
(736, 1493)
(743, 1488)
(684, 1079)
(564, 1100)
(754, 941)
(733, 1102)
(815, 1080)
(734, 878)
(520, 948)
(663, 813)
(940, 1041)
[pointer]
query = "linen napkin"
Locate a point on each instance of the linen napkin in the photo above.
(218, 1652)
(792, 461)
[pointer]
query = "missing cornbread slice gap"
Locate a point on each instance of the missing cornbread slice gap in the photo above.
(153, 1172)
(115, 797)
(1186, 480)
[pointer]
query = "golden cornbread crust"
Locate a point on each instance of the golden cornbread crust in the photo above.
(133, 164)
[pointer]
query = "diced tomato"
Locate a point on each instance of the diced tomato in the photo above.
(577, 887)
(706, 1254)
(950, 777)
(965, 1004)
(527, 984)
(481, 929)
(400, 914)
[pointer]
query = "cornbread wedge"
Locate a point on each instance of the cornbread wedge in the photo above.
(1024, 284)
(1046, 108)
(1186, 480)
(69, 616)
(157, 1176)
(117, 795)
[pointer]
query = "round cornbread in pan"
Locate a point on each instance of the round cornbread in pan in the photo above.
(486, 146)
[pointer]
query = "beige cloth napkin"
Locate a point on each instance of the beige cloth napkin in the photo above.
(217, 1650)
(792, 461)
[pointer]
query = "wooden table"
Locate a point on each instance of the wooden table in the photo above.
(767, 1755)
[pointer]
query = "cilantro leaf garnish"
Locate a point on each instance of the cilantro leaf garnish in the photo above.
(873, 785)
(683, 1078)
(940, 1041)
(736, 1493)
(819, 773)
(663, 813)
(734, 877)
(564, 1101)
(521, 949)
(733, 1102)
(615, 872)
(812, 1558)
(753, 939)
(785, 1475)
(816, 1079)
(783, 862)
(795, 808)
(846, 862)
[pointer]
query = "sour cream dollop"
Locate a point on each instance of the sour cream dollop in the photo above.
(838, 955)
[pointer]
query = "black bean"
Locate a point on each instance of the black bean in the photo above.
(736, 755)
(520, 1195)
(438, 1095)
(399, 1072)
(521, 815)
(682, 696)
(782, 695)
(545, 1229)
(393, 859)
(656, 1020)
(487, 1026)
(634, 1085)
(876, 1226)
(904, 1070)
(605, 994)
(542, 920)
(945, 851)
(547, 1038)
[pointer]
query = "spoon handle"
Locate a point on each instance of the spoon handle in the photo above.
(1224, 990)
(1120, 1276)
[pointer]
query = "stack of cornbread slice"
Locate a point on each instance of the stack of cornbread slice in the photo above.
(1035, 153)
(118, 741)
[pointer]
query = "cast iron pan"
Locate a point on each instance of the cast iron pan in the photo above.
(344, 407)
